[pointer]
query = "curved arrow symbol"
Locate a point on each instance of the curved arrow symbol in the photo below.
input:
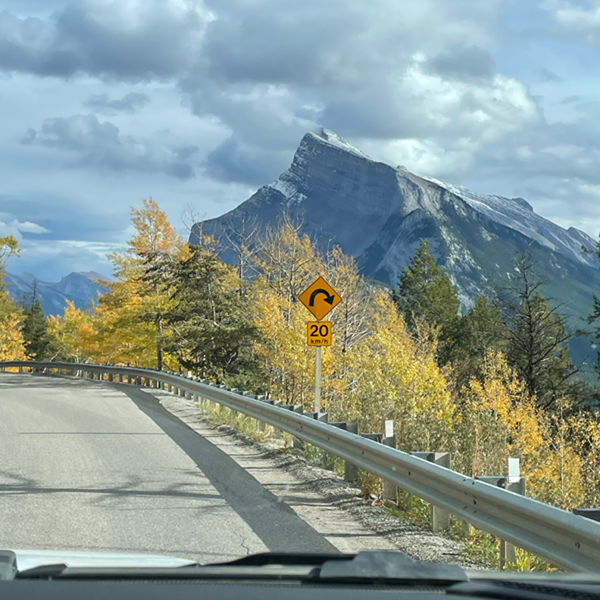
(328, 298)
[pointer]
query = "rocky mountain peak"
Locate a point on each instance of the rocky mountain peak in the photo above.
(378, 213)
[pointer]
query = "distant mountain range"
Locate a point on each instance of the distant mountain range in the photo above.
(80, 288)
(378, 213)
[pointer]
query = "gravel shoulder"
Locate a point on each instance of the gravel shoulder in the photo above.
(320, 497)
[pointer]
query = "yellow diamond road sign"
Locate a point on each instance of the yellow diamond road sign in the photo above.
(320, 298)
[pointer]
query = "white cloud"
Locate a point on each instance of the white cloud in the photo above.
(484, 111)
(52, 260)
(424, 157)
(428, 84)
(115, 39)
(576, 19)
(28, 227)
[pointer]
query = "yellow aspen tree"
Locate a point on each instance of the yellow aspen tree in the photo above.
(560, 482)
(393, 378)
(130, 314)
(506, 421)
(12, 344)
(372, 372)
(282, 350)
(585, 436)
(287, 264)
(74, 336)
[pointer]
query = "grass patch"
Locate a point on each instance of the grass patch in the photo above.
(323, 459)
(479, 547)
(255, 430)
(526, 561)
(414, 509)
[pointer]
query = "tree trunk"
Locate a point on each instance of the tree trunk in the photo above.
(159, 350)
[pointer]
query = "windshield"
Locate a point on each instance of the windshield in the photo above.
(283, 276)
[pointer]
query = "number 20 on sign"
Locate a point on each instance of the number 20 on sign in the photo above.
(318, 333)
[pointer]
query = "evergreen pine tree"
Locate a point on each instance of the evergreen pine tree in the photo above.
(35, 331)
(481, 329)
(426, 294)
(484, 329)
(537, 347)
(211, 333)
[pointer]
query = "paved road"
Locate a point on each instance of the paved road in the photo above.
(105, 467)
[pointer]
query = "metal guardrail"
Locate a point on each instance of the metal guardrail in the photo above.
(563, 538)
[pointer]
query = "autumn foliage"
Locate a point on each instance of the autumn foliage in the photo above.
(446, 382)
(12, 343)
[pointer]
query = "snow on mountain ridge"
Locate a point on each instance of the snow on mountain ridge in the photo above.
(518, 214)
(334, 139)
(515, 213)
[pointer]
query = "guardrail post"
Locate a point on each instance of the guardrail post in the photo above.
(390, 490)
(297, 443)
(350, 470)
(588, 513)
(261, 426)
(323, 418)
(318, 416)
(507, 550)
(374, 437)
(440, 517)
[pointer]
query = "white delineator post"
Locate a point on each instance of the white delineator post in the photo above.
(516, 484)
(318, 381)
(390, 490)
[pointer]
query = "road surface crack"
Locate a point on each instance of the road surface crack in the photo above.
(243, 543)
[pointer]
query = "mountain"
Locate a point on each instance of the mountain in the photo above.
(378, 213)
(80, 288)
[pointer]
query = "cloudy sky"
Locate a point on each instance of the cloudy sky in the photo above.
(199, 102)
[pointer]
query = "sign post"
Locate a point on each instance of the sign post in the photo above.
(319, 298)
(318, 381)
